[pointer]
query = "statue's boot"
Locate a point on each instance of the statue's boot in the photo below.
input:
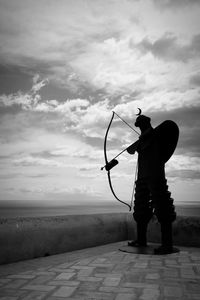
(167, 242)
(141, 240)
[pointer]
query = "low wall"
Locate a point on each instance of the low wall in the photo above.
(26, 238)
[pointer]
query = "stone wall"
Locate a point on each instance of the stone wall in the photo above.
(27, 238)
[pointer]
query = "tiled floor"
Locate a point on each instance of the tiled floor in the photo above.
(104, 272)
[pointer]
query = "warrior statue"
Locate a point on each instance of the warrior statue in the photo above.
(154, 148)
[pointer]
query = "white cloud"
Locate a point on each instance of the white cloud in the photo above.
(38, 84)
(35, 161)
(182, 167)
(26, 101)
(92, 47)
(182, 162)
(86, 43)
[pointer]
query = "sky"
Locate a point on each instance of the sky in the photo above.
(65, 65)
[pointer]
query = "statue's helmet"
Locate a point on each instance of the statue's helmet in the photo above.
(142, 120)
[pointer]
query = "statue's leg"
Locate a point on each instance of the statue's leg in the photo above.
(142, 212)
(165, 212)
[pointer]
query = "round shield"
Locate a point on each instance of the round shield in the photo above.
(167, 134)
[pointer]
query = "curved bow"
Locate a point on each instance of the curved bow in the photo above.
(109, 165)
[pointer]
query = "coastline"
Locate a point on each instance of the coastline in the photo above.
(186, 210)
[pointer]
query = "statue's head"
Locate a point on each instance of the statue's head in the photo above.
(143, 122)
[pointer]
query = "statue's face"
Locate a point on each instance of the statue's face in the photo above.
(142, 121)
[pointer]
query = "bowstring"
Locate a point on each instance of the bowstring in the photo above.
(135, 178)
(136, 169)
(126, 123)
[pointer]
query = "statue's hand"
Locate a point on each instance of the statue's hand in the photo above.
(132, 148)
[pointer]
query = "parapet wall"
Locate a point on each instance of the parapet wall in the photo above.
(27, 238)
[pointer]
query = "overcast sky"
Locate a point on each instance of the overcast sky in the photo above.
(65, 65)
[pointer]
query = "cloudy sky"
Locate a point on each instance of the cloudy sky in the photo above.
(65, 65)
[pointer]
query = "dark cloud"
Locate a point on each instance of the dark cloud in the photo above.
(44, 154)
(195, 79)
(13, 79)
(189, 125)
(185, 174)
(168, 48)
(175, 3)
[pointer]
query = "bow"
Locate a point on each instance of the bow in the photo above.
(109, 165)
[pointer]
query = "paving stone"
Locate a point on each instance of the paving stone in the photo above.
(89, 278)
(64, 276)
(14, 284)
(171, 273)
(68, 298)
(77, 267)
(193, 286)
(95, 296)
(194, 296)
(122, 296)
(8, 298)
(150, 294)
(153, 276)
(88, 286)
(170, 262)
(64, 291)
(35, 295)
(117, 275)
(11, 293)
(64, 282)
(141, 265)
(93, 274)
(121, 290)
(86, 272)
(21, 276)
(172, 291)
(4, 281)
(141, 285)
(41, 280)
(44, 288)
(111, 281)
(43, 273)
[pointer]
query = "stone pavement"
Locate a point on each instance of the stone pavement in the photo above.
(104, 273)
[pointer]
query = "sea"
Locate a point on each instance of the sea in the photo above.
(64, 210)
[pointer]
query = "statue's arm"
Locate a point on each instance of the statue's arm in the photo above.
(133, 147)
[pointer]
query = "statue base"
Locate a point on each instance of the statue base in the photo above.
(148, 250)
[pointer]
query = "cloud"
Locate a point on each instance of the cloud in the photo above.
(176, 3)
(111, 65)
(33, 161)
(90, 46)
(89, 119)
(38, 84)
(195, 79)
(38, 33)
(185, 174)
(25, 100)
(168, 48)
(183, 167)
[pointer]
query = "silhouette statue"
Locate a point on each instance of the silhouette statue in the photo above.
(155, 147)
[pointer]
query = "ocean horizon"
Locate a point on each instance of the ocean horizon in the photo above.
(13, 211)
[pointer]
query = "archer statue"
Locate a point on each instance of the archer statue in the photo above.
(155, 146)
